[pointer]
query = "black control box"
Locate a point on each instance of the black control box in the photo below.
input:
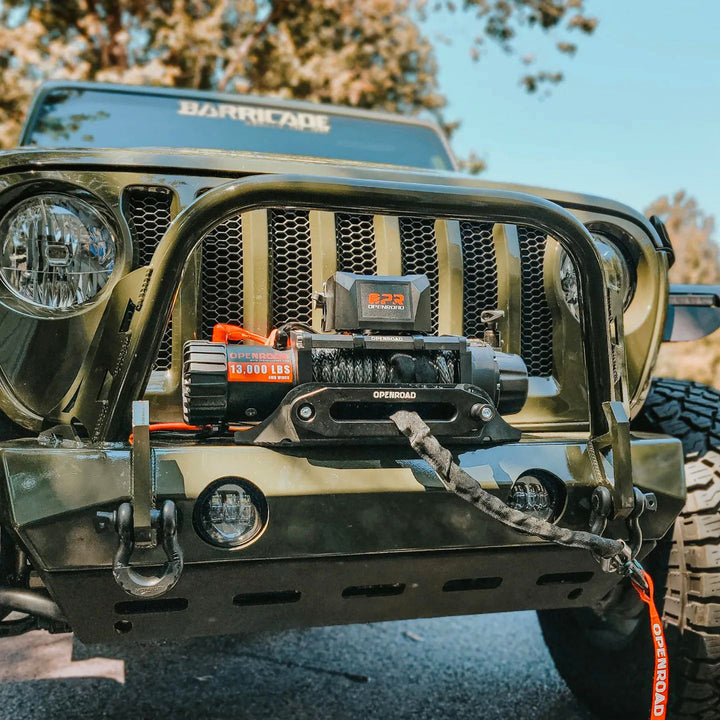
(370, 302)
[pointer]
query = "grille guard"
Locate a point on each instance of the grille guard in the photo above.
(129, 336)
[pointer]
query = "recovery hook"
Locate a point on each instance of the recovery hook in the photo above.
(643, 502)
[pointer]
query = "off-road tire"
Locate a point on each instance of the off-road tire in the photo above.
(612, 676)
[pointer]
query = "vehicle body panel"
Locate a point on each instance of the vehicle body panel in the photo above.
(693, 312)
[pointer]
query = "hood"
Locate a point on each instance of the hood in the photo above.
(234, 164)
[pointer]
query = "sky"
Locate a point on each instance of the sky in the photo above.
(636, 116)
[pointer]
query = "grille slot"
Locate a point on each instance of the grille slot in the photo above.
(419, 256)
(221, 284)
(149, 216)
(355, 244)
(148, 213)
(536, 341)
(480, 277)
(291, 262)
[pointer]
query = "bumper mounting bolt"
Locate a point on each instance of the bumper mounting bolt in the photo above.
(306, 411)
(484, 412)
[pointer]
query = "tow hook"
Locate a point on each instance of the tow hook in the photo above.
(139, 524)
(602, 509)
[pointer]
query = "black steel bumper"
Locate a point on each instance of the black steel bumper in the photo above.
(365, 534)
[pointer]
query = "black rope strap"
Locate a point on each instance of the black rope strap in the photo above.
(455, 479)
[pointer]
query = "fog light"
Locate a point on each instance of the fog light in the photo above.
(536, 495)
(230, 512)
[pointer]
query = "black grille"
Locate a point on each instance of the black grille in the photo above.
(536, 343)
(419, 255)
(221, 283)
(148, 213)
(480, 278)
(355, 244)
(291, 262)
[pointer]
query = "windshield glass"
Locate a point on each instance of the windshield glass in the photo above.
(77, 117)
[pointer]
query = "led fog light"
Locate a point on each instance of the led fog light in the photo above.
(230, 512)
(537, 494)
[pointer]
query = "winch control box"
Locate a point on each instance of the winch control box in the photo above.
(370, 302)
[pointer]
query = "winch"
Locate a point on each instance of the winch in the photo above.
(381, 340)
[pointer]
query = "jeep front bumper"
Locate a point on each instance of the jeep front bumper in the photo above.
(368, 534)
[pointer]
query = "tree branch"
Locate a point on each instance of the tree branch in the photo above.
(278, 6)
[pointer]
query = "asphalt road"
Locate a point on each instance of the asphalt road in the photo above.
(492, 666)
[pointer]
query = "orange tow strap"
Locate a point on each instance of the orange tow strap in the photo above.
(661, 676)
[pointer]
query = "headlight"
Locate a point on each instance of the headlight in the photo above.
(615, 262)
(57, 251)
(569, 284)
(230, 512)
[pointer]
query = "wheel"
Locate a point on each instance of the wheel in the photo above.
(604, 653)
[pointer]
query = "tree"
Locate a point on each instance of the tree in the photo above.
(698, 261)
(365, 53)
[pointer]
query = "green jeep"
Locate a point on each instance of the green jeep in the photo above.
(270, 364)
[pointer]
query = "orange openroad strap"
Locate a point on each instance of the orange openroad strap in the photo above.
(661, 676)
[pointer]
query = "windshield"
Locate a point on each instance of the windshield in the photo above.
(78, 117)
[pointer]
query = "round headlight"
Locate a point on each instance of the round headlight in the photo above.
(615, 262)
(57, 251)
(230, 512)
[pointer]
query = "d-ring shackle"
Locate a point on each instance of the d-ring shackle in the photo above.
(127, 577)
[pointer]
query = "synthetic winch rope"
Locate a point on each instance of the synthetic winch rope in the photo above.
(346, 367)
(465, 486)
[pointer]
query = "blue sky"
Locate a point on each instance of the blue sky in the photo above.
(636, 117)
